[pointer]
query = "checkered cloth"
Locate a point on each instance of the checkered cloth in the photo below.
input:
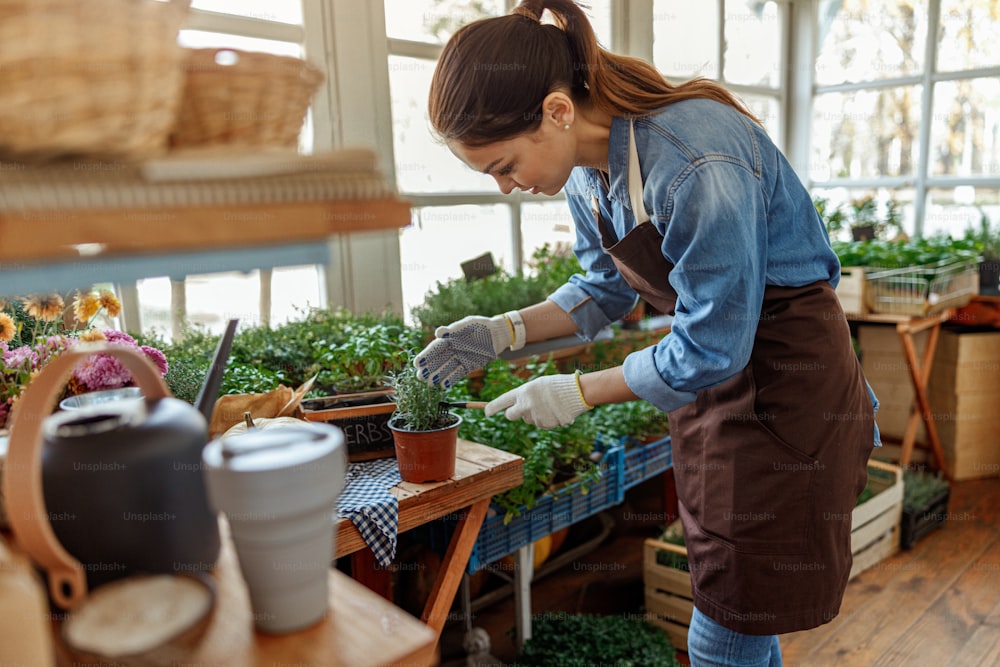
(366, 501)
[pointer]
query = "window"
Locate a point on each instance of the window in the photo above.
(167, 304)
(907, 107)
(458, 214)
(738, 43)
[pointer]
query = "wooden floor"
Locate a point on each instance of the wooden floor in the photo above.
(937, 605)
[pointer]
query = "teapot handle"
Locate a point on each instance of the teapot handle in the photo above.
(23, 473)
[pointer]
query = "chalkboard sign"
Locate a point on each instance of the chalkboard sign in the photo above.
(364, 419)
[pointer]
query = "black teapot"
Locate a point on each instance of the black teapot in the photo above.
(112, 491)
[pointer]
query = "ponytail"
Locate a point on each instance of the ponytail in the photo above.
(493, 75)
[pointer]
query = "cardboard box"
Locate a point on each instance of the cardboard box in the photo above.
(964, 393)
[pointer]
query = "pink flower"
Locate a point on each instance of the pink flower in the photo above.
(21, 357)
(102, 372)
(157, 358)
(114, 336)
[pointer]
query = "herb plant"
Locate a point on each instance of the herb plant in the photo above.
(418, 403)
(584, 640)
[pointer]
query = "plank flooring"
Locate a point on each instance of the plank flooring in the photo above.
(937, 605)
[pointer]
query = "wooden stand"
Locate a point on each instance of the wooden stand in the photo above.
(920, 372)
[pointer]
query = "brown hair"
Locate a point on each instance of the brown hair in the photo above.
(493, 75)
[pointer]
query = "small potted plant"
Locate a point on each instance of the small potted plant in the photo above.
(925, 505)
(424, 431)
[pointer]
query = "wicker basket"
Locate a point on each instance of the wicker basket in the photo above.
(244, 98)
(101, 78)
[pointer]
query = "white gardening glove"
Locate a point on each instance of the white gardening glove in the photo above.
(462, 347)
(546, 402)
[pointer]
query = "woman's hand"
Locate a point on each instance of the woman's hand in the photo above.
(546, 402)
(462, 347)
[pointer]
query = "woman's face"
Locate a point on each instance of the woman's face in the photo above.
(535, 162)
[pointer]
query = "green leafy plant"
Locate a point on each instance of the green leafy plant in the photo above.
(985, 238)
(498, 293)
(860, 214)
(584, 640)
(368, 355)
(344, 351)
(898, 254)
(418, 403)
(549, 454)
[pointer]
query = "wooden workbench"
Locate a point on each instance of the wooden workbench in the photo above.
(481, 472)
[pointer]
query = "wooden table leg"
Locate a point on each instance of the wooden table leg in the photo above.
(920, 372)
(453, 566)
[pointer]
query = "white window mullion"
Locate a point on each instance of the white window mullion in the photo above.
(926, 109)
(798, 100)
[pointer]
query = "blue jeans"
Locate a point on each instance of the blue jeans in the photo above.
(711, 645)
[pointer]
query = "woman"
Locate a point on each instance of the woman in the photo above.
(678, 196)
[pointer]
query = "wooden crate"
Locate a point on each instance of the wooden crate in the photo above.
(851, 290)
(875, 523)
(669, 603)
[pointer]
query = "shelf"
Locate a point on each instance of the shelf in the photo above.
(72, 224)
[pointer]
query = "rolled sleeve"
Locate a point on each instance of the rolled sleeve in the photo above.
(646, 382)
(582, 309)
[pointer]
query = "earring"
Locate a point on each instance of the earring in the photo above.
(566, 126)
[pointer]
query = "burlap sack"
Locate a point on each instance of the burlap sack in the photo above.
(280, 402)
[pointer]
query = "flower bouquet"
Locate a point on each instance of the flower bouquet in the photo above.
(37, 329)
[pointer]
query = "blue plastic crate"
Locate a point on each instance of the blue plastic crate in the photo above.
(552, 512)
(645, 460)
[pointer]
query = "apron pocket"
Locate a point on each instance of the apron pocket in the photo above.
(761, 501)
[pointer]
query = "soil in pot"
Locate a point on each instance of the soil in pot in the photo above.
(426, 456)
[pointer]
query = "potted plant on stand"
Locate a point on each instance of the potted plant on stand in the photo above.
(425, 432)
(986, 240)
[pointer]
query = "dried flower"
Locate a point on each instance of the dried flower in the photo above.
(8, 328)
(110, 303)
(85, 306)
(45, 308)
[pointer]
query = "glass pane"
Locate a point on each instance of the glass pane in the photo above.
(847, 199)
(435, 20)
(599, 12)
(866, 40)
(199, 39)
(423, 164)
(956, 210)
(968, 35)
(265, 10)
(546, 223)
(865, 133)
(753, 43)
(767, 111)
(686, 38)
(965, 128)
(433, 248)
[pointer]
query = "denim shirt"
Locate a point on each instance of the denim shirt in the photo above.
(734, 218)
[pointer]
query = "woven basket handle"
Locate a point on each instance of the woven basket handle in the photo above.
(23, 473)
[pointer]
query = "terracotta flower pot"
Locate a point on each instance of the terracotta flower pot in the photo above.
(426, 456)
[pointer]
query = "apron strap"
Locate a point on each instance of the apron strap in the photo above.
(635, 179)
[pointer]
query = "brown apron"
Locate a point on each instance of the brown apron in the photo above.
(768, 464)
